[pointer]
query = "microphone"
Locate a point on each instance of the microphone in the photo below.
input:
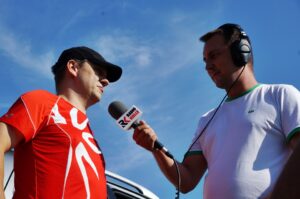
(129, 118)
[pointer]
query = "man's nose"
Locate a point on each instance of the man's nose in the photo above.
(104, 82)
(209, 66)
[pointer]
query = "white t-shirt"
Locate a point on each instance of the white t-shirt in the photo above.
(245, 144)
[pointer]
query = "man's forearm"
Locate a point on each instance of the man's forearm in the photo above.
(167, 166)
(287, 186)
(5, 145)
(2, 175)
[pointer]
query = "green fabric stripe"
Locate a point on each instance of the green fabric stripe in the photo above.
(189, 153)
(292, 133)
(244, 93)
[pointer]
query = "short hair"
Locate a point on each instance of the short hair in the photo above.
(60, 71)
(59, 74)
(231, 33)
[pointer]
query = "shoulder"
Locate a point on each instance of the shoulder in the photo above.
(208, 114)
(38, 97)
(38, 94)
(205, 118)
(280, 88)
(286, 96)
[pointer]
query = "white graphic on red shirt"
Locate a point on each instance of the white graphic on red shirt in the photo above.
(57, 117)
(74, 119)
(80, 150)
(86, 137)
(70, 156)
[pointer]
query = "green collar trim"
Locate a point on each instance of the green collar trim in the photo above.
(244, 93)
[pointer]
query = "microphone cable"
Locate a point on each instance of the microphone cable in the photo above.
(215, 112)
(205, 127)
(178, 174)
(7, 181)
(178, 178)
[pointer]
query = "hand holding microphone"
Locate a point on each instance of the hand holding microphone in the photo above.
(143, 133)
(144, 136)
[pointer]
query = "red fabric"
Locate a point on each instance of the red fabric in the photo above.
(59, 158)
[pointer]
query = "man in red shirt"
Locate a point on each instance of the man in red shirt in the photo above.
(56, 155)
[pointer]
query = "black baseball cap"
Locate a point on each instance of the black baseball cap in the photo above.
(114, 72)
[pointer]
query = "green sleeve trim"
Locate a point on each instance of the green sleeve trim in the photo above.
(189, 153)
(292, 133)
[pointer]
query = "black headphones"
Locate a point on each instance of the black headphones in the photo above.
(240, 46)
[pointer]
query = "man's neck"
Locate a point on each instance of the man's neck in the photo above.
(246, 82)
(74, 99)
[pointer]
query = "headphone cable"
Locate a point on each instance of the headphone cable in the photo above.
(205, 127)
(219, 106)
(10, 175)
(179, 179)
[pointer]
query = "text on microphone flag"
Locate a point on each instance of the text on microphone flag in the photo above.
(129, 117)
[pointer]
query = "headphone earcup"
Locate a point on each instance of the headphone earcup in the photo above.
(240, 52)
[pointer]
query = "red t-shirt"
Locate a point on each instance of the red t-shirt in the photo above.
(59, 158)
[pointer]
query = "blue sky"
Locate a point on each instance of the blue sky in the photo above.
(156, 43)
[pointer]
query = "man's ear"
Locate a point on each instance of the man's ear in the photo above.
(72, 67)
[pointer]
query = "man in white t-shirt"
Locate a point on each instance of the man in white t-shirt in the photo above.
(244, 143)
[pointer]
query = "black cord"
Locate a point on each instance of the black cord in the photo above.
(12, 171)
(219, 106)
(205, 127)
(178, 178)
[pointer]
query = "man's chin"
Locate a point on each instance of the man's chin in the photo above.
(219, 85)
(96, 99)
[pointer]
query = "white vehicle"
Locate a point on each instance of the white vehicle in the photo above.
(118, 187)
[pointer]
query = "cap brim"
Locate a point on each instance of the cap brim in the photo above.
(114, 72)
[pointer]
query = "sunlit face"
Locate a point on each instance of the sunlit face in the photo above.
(92, 82)
(219, 65)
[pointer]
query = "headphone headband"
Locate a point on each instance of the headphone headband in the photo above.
(240, 45)
(229, 29)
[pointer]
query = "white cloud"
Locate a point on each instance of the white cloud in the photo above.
(148, 60)
(20, 52)
(143, 59)
(180, 50)
(71, 21)
(125, 49)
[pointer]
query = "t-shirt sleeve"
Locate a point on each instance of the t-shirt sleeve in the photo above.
(195, 146)
(26, 115)
(289, 101)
